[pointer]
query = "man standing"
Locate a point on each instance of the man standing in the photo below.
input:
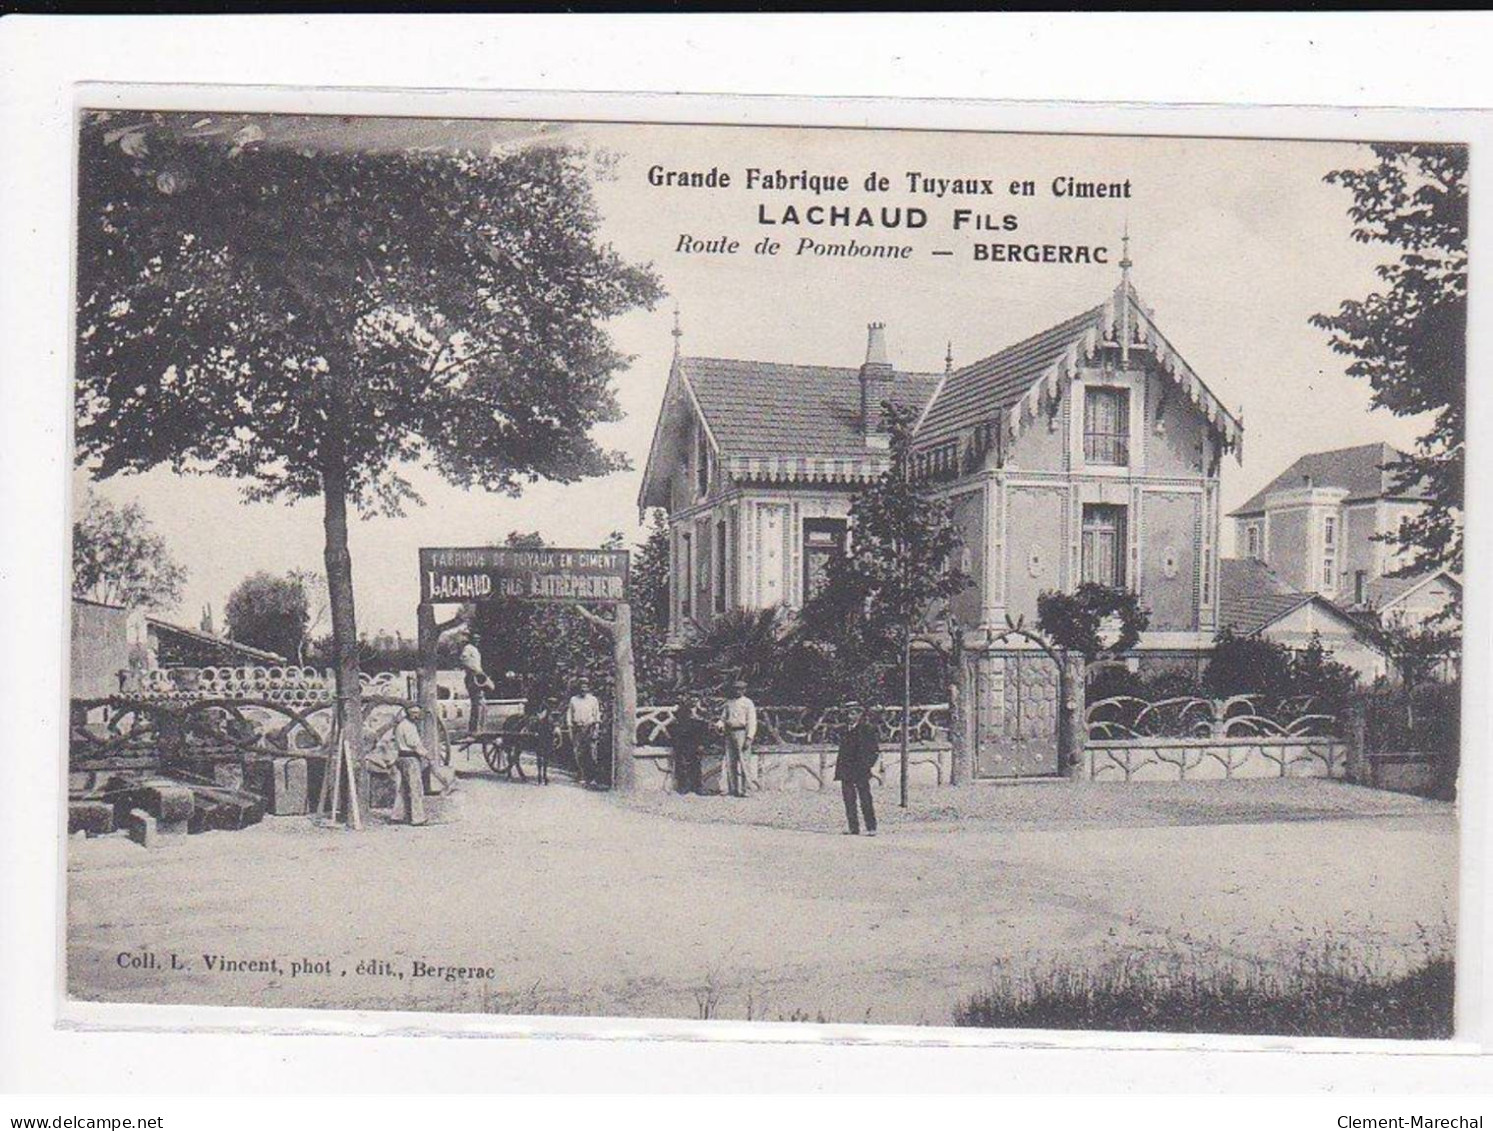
(477, 680)
(860, 747)
(411, 762)
(690, 733)
(582, 718)
(739, 721)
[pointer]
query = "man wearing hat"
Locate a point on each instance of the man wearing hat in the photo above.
(478, 682)
(860, 747)
(739, 722)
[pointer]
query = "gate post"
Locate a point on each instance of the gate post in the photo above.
(624, 701)
(962, 737)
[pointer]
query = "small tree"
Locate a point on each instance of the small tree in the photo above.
(269, 612)
(1077, 629)
(119, 559)
(900, 567)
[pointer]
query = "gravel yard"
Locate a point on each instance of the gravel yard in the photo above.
(558, 900)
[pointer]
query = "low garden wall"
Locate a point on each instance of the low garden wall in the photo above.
(1193, 739)
(1216, 759)
(796, 748)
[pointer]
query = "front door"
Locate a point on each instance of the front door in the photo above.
(1016, 716)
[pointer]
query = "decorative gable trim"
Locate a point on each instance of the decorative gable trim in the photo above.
(1042, 396)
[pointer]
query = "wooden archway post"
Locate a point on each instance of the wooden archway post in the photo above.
(624, 694)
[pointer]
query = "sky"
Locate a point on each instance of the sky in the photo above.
(1235, 243)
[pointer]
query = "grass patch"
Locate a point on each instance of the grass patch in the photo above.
(1327, 993)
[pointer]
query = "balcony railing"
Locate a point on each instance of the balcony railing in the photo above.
(1104, 448)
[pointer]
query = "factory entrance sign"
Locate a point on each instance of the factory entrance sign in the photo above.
(486, 573)
(578, 577)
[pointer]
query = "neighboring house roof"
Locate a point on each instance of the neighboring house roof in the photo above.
(1251, 598)
(1014, 385)
(1383, 593)
(1359, 470)
(765, 408)
(216, 642)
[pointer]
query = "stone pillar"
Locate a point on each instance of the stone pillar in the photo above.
(962, 737)
(1356, 769)
(1072, 729)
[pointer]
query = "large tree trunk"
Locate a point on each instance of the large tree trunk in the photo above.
(344, 621)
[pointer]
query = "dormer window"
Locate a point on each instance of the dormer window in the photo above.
(1106, 426)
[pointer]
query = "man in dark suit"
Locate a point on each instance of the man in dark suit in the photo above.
(859, 748)
(690, 734)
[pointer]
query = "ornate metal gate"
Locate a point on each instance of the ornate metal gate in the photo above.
(1016, 715)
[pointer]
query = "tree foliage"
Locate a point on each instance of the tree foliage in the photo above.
(269, 612)
(256, 308)
(1409, 341)
(650, 573)
(1253, 665)
(1094, 620)
(119, 559)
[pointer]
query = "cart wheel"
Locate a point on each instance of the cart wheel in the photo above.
(492, 754)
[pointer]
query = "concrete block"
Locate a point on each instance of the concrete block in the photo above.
(283, 784)
(92, 817)
(141, 827)
(173, 828)
(169, 803)
(228, 774)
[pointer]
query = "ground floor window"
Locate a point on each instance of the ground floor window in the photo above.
(1104, 544)
(824, 540)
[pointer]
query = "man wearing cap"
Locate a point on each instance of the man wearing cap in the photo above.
(411, 762)
(739, 722)
(582, 719)
(478, 682)
(860, 747)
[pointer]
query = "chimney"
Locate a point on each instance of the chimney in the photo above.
(876, 380)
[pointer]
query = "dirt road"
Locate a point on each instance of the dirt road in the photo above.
(556, 900)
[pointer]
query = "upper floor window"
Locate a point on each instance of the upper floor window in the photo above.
(1252, 541)
(1104, 544)
(702, 461)
(1329, 531)
(1106, 426)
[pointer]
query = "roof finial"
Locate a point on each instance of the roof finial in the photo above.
(677, 332)
(948, 358)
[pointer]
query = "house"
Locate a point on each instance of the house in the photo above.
(1253, 601)
(1087, 452)
(755, 463)
(1320, 527)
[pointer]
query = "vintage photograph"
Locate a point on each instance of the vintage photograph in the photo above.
(759, 573)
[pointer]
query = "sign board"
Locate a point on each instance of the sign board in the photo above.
(489, 573)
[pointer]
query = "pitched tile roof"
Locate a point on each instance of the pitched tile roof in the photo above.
(988, 388)
(763, 408)
(1013, 385)
(1359, 470)
(1382, 592)
(1251, 597)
